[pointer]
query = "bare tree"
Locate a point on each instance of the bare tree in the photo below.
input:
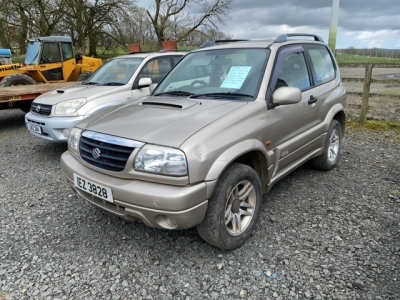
(112, 23)
(45, 15)
(5, 39)
(197, 38)
(17, 21)
(189, 15)
(137, 28)
(87, 19)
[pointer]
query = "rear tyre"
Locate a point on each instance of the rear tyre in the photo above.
(333, 145)
(17, 79)
(234, 208)
(83, 76)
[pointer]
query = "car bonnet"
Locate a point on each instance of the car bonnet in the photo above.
(160, 120)
(89, 92)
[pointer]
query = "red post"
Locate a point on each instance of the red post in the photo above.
(134, 48)
(170, 45)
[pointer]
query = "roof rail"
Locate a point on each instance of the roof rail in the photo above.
(217, 42)
(284, 37)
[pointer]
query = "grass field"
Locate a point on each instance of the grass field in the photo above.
(359, 59)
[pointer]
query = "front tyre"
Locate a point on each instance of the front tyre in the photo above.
(234, 208)
(333, 145)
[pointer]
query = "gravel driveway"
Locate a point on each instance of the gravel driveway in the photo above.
(322, 235)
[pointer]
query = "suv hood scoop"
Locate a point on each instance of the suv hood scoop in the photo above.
(163, 121)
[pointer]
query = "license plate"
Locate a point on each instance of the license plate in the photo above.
(35, 128)
(93, 188)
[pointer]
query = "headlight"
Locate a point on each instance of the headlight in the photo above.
(73, 139)
(161, 160)
(69, 107)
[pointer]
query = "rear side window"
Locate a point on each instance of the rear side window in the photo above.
(323, 66)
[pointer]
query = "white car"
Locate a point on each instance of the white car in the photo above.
(121, 79)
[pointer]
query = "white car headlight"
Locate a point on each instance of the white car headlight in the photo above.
(69, 107)
(161, 160)
(73, 139)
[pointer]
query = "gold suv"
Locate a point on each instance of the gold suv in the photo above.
(225, 124)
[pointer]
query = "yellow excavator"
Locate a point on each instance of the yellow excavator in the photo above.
(49, 59)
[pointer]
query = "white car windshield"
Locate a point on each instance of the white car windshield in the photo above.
(117, 71)
(218, 73)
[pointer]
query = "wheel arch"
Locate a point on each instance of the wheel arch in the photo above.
(340, 116)
(337, 112)
(250, 152)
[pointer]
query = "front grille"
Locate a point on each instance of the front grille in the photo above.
(36, 122)
(41, 109)
(111, 157)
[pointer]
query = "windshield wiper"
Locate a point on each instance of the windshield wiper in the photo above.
(113, 83)
(223, 95)
(175, 93)
(90, 83)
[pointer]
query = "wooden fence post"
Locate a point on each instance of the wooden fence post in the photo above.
(365, 95)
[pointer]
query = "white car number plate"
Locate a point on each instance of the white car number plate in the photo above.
(35, 128)
(93, 188)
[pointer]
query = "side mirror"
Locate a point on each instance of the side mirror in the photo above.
(144, 82)
(286, 95)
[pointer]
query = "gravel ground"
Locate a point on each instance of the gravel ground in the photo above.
(322, 235)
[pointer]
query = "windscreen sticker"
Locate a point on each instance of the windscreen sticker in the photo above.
(236, 76)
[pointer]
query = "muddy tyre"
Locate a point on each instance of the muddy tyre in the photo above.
(234, 208)
(17, 79)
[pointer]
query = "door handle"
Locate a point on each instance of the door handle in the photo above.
(312, 100)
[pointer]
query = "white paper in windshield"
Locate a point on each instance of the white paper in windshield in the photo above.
(236, 77)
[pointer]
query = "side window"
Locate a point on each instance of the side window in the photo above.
(175, 59)
(323, 66)
(156, 69)
(51, 53)
(67, 52)
(294, 72)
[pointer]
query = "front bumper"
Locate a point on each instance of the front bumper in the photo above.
(52, 127)
(157, 205)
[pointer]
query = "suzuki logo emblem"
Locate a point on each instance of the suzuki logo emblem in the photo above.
(96, 153)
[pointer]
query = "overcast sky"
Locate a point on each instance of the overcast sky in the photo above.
(362, 23)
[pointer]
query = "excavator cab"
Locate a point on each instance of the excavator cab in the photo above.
(50, 59)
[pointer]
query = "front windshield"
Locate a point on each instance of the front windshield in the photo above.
(218, 73)
(32, 53)
(117, 71)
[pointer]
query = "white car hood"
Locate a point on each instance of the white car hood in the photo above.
(89, 92)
